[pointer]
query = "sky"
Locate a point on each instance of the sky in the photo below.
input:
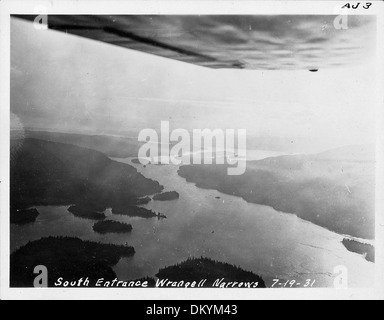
(66, 83)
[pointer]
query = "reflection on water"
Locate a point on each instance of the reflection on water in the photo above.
(210, 224)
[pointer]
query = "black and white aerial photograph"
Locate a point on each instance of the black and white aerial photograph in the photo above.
(193, 151)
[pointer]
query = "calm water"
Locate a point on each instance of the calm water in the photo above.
(257, 238)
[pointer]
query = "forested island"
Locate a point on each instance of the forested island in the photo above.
(197, 269)
(86, 212)
(134, 211)
(70, 258)
(141, 201)
(73, 259)
(136, 161)
(166, 196)
(109, 226)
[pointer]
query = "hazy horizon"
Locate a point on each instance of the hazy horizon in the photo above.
(71, 84)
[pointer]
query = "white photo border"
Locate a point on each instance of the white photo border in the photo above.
(8, 8)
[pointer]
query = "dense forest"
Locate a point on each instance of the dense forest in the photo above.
(70, 258)
(50, 173)
(194, 269)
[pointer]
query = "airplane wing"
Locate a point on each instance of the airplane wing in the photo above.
(229, 41)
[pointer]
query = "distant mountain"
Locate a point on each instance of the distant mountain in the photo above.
(356, 153)
(113, 146)
(288, 145)
(332, 159)
(333, 189)
(51, 173)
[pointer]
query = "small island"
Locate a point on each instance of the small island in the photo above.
(66, 257)
(24, 216)
(366, 250)
(82, 211)
(161, 216)
(167, 196)
(136, 161)
(142, 201)
(134, 211)
(109, 226)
